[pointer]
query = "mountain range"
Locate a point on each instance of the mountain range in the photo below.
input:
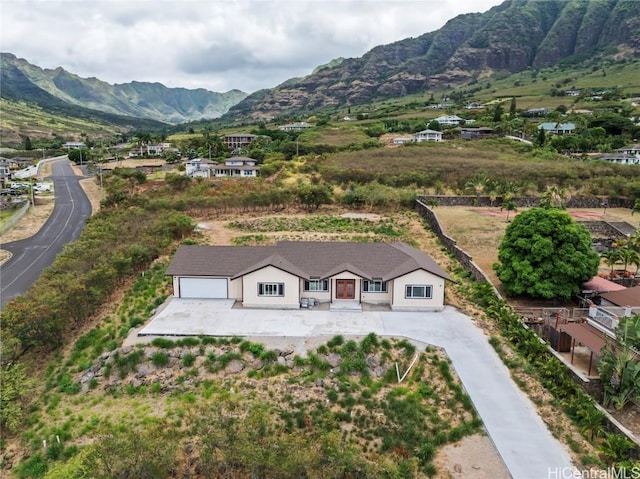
(511, 37)
(23, 81)
(514, 36)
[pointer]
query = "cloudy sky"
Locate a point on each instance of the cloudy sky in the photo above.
(216, 44)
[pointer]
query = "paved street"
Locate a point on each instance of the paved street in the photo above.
(32, 255)
(511, 420)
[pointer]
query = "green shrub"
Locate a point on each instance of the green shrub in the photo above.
(163, 343)
(188, 360)
(34, 467)
(160, 359)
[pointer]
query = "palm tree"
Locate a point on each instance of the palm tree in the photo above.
(493, 194)
(592, 422)
(508, 206)
(611, 257)
(554, 197)
(508, 190)
(477, 184)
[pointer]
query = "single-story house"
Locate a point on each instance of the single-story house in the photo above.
(624, 298)
(424, 135)
(427, 135)
(557, 128)
(630, 150)
(291, 274)
(536, 112)
(450, 120)
(472, 133)
(403, 139)
(237, 166)
(620, 159)
(74, 145)
(298, 126)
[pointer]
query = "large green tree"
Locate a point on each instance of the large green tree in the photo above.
(545, 254)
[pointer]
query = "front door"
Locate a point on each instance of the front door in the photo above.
(345, 288)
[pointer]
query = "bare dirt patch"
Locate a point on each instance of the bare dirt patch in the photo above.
(471, 458)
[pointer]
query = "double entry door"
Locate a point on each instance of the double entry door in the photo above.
(345, 288)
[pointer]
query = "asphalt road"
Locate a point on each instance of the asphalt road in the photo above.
(32, 255)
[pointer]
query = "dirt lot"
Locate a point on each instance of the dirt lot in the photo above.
(479, 230)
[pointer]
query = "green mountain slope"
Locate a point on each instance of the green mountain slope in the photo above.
(25, 82)
(509, 38)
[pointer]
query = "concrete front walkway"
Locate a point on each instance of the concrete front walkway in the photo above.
(522, 439)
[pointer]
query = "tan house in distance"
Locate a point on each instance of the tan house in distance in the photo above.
(292, 274)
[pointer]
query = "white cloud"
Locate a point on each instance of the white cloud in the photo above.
(218, 45)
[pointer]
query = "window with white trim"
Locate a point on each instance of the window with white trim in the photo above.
(316, 285)
(418, 291)
(374, 286)
(270, 289)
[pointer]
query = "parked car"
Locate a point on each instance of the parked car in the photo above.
(42, 187)
(13, 192)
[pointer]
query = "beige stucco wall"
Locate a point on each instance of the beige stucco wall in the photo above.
(436, 303)
(379, 298)
(320, 296)
(235, 288)
(269, 274)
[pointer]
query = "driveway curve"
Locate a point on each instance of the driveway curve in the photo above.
(522, 439)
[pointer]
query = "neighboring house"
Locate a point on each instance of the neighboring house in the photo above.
(238, 140)
(427, 135)
(630, 150)
(448, 120)
(298, 126)
(441, 106)
(159, 148)
(199, 168)
(572, 93)
(537, 112)
(473, 133)
(74, 145)
(557, 128)
(424, 135)
(237, 166)
(620, 158)
(290, 274)
(5, 171)
(474, 106)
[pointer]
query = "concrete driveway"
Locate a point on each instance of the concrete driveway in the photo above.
(522, 439)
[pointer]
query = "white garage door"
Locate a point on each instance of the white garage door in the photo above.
(203, 288)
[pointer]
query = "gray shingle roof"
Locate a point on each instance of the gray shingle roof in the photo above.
(305, 259)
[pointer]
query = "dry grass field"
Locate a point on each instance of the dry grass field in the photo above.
(479, 231)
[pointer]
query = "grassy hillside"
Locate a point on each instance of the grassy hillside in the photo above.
(20, 119)
(448, 166)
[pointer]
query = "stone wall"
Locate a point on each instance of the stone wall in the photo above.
(524, 201)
